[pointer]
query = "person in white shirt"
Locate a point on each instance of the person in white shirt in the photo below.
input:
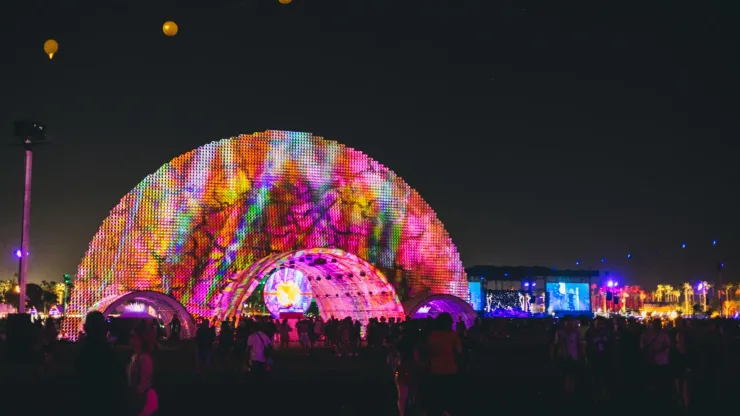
(259, 348)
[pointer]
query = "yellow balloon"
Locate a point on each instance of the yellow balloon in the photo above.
(51, 47)
(285, 1)
(169, 28)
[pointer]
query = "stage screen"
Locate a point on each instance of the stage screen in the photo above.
(475, 295)
(568, 297)
(287, 291)
(508, 303)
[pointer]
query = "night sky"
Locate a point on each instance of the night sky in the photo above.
(541, 133)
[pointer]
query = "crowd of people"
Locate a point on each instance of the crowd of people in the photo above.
(596, 360)
(671, 361)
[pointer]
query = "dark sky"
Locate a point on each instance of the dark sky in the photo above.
(540, 132)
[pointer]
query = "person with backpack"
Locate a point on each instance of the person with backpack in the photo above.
(260, 350)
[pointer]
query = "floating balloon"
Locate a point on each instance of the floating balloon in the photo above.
(285, 1)
(169, 28)
(51, 47)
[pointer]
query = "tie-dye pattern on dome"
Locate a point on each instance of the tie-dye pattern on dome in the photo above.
(212, 212)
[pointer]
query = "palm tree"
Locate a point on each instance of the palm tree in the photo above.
(659, 293)
(725, 306)
(688, 296)
(59, 289)
(703, 295)
(728, 291)
(47, 295)
(676, 295)
(668, 290)
(7, 286)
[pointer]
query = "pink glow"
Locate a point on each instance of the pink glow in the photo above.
(342, 284)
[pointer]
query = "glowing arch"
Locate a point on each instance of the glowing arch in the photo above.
(189, 228)
(163, 304)
(433, 305)
(342, 284)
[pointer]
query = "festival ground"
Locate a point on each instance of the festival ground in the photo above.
(508, 377)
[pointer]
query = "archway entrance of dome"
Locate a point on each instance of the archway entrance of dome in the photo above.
(342, 285)
(143, 304)
(432, 305)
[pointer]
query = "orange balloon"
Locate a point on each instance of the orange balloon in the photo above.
(285, 1)
(51, 47)
(170, 28)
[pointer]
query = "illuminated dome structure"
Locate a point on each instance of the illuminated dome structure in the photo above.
(209, 226)
(287, 291)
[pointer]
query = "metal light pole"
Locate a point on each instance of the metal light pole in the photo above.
(30, 132)
(22, 276)
(66, 294)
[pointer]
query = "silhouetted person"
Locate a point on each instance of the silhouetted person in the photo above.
(443, 347)
(99, 372)
(144, 399)
(226, 340)
(175, 328)
(49, 341)
(260, 350)
(204, 339)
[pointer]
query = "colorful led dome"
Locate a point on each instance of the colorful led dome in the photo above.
(189, 229)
